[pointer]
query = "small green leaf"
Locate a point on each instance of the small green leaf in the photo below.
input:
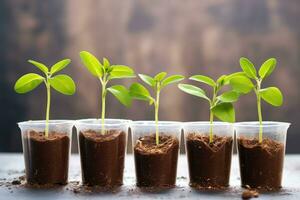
(193, 90)
(204, 79)
(63, 84)
(59, 66)
(28, 82)
(241, 84)
(39, 65)
(147, 79)
(224, 112)
(230, 76)
(272, 95)
(248, 68)
(121, 71)
(106, 63)
(267, 68)
(230, 96)
(160, 76)
(91, 63)
(138, 91)
(221, 80)
(121, 93)
(171, 79)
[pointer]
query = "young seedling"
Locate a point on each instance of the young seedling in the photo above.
(252, 81)
(61, 83)
(157, 83)
(219, 105)
(105, 72)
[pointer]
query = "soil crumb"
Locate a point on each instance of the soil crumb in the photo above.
(248, 194)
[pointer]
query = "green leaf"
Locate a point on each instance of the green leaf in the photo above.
(267, 68)
(106, 63)
(91, 63)
(203, 79)
(221, 80)
(230, 76)
(121, 71)
(63, 84)
(121, 93)
(272, 95)
(59, 66)
(193, 90)
(230, 96)
(39, 65)
(171, 79)
(28, 82)
(147, 79)
(241, 84)
(248, 68)
(138, 91)
(224, 112)
(160, 76)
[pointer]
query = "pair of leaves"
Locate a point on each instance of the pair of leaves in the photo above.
(222, 106)
(54, 69)
(159, 79)
(62, 83)
(158, 82)
(105, 69)
(106, 72)
(265, 70)
(243, 84)
(223, 110)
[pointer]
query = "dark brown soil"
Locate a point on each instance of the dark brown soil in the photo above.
(209, 163)
(261, 163)
(102, 157)
(156, 165)
(46, 159)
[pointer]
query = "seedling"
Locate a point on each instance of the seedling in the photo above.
(219, 105)
(157, 83)
(105, 72)
(252, 81)
(61, 83)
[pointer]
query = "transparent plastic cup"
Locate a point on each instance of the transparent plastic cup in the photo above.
(102, 151)
(261, 163)
(46, 158)
(156, 165)
(209, 163)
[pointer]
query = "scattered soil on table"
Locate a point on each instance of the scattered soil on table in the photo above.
(76, 187)
(102, 157)
(261, 164)
(46, 158)
(209, 163)
(248, 194)
(156, 165)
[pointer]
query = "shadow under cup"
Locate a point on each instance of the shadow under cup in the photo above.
(261, 162)
(156, 164)
(102, 150)
(46, 157)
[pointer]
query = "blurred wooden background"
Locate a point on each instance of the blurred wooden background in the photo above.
(186, 37)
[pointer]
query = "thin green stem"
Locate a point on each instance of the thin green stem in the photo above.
(211, 119)
(258, 100)
(103, 98)
(156, 105)
(211, 114)
(47, 108)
